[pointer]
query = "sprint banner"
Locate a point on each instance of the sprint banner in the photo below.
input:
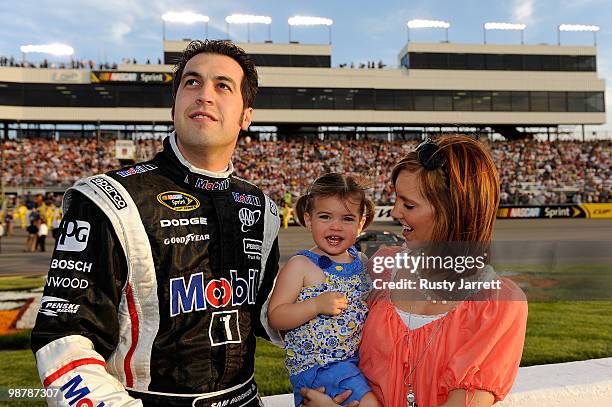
(130, 77)
(592, 211)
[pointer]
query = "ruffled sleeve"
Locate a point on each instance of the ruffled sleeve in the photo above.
(489, 347)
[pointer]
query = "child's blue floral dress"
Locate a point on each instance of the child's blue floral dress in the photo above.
(324, 351)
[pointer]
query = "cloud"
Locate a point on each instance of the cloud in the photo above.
(119, 30)
(523, 10)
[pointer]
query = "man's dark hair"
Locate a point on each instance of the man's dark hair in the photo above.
(249, 85)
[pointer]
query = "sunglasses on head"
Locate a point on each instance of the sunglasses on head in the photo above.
(430, 155)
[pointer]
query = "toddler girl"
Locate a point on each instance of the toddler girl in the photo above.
(319, 296)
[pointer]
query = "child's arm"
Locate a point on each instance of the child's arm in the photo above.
(284, 313)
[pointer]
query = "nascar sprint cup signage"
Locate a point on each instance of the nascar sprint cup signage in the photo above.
(130, 77)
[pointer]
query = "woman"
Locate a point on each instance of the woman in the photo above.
(442, 347)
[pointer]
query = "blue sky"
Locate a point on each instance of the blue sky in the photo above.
(363, 30)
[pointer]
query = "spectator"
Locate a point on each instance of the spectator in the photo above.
(530, 171)
(43, 231)
(32, 237)
(8, 220)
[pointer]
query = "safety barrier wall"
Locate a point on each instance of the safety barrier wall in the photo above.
(585, 383)
(587, 210)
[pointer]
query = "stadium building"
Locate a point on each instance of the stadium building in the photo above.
(505, 89)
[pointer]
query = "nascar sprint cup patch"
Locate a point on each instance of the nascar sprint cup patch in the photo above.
(178, 201)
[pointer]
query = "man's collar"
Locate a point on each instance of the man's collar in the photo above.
(194, 169)
(194, 176)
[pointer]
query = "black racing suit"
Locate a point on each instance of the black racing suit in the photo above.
(158, 284)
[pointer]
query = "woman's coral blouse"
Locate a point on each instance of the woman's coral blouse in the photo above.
(478, 346)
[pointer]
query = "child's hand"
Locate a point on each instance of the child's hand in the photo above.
(331, 303)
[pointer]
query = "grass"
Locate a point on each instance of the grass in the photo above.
(17, 340)
(270, 372)
(556, 332)
(567, 331)
(19, 371)
(21, 283)
(592, 282)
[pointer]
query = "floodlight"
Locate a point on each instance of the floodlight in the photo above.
(428, 24)
(53, 49)
(183, 17)
(503, 26)
(577, 27)
(248, 19)
(306, 20)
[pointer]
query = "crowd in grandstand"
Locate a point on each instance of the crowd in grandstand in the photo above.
(361, 65)
(49, 163)
(73, 64)
(535, 173)
(531, 172)
(91, 65)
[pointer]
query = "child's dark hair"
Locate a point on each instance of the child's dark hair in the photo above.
(346, 187)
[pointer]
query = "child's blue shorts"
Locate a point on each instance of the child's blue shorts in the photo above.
(336, 377)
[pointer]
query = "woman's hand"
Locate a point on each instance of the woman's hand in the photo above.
(317, 398)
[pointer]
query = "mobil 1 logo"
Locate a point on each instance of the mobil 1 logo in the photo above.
(74, 235)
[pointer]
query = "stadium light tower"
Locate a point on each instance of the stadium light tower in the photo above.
(428, 24)
(304, 20)
(248, 20)
(504, 26)
(183, 17)
(53, 49)
(577, 27)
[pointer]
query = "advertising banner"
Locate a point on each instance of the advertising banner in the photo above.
(598, 210)
(591, 211)
(130, 77)
(383, 213)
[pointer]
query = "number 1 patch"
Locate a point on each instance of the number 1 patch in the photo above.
(224, 328)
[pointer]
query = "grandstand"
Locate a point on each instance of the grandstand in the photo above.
(532, 172)
(61, 124)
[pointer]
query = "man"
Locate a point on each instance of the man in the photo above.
(162, 270)
(43, 231)
(8, 220)
(32, 237)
